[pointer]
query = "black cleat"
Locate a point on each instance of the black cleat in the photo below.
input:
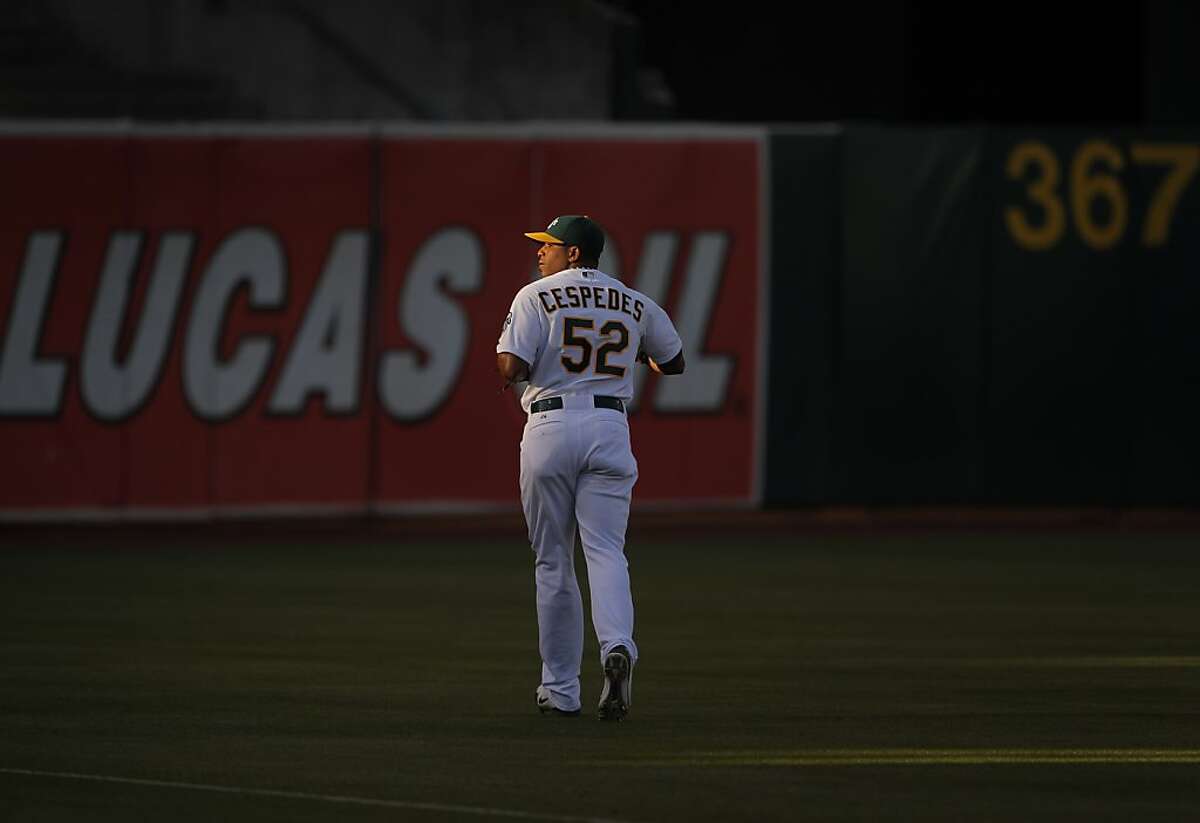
(618, 685)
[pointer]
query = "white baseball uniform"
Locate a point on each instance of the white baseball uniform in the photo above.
(580, 332)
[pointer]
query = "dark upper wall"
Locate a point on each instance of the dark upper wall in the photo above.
(923, 62)
(450, 60)
(462, 60)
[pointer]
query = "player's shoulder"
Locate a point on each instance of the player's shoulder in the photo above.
(607, 279)
(530, 289)
(634, 294)
(549, 281)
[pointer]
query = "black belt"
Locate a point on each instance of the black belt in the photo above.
(601, 401)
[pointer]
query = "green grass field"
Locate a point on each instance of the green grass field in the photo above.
(948, 677)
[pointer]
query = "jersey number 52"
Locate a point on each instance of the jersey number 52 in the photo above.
(613, 333)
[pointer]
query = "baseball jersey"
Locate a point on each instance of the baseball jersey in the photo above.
(580, 332)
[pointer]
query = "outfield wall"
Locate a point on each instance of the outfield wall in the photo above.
(212, 321)
(208, 321)
(979, 316)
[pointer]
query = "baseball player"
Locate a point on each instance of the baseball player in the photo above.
(576, 335)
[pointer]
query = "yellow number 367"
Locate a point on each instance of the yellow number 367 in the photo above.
(1099, 204)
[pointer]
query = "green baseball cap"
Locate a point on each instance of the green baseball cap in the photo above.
(573, 230)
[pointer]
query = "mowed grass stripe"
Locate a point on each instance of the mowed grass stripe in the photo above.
(1048, 662)
(928, 757)
(410, 805)
(1090, 662)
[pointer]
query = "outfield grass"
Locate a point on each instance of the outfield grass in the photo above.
(952, 677)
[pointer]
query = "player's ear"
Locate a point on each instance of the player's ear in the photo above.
(573, 253)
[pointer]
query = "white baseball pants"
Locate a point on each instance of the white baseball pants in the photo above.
(577, 468)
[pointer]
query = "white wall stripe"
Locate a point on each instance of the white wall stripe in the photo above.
(558, 130)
